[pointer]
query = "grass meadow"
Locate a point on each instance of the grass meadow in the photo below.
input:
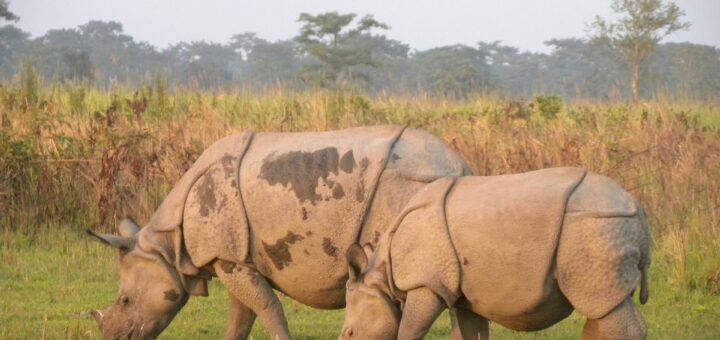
(73, 157)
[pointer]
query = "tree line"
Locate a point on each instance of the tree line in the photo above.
(334, 50)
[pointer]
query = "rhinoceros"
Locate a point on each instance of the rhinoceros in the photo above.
(520, 250)
(268, 210)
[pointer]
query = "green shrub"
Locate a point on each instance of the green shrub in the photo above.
(548, 106)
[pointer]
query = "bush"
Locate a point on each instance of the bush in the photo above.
(548, 106)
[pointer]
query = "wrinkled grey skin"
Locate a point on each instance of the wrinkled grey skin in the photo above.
(600, 258)
(268, 211)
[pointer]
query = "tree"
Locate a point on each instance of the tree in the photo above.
(325, 37)
(79, 68)
(640, 25)
(584, 69)
(389, 69)
(685, 70)
(204, 64)
(111, 52)
(455, 71)
(244, 43)
(48, 52)
(5, 12)
(12, 41)
(517, 74)
(271, 63)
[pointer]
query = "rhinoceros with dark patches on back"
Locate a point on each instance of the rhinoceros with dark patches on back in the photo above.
(269, 210)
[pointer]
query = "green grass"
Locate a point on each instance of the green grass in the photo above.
(49, 282)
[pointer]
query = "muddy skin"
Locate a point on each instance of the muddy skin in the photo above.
(360, 192)
(304, 214)
(206, 192)
(329, 248)
(338, 191)
(279, 253)
(228, 267)
(228, 164)
(376, 237)
(301, 171)
(171, 295)
(347, 162)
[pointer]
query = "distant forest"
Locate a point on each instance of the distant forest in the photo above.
(101, 54)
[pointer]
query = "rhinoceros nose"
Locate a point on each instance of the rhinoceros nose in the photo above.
(98, 315)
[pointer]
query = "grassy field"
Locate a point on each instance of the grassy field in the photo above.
(73, 158)
(49, 283)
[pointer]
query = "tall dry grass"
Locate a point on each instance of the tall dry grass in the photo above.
(75, 156)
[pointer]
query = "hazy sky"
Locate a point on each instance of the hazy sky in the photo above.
(420, 23)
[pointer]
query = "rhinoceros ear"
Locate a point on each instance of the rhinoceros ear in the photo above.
(357, 261)
(128, 227)
(120, 242)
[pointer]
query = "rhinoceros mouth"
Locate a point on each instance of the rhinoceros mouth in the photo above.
(134, 333)
(130, 334)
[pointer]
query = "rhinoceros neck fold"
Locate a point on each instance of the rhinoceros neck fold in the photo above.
(420, 234)
(369, 200)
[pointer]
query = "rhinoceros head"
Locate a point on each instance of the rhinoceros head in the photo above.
(151, 290)
(371, 311)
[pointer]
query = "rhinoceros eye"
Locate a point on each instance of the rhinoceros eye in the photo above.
(125, 300)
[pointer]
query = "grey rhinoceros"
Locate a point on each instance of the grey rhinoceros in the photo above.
(521, 250)
(268, 210)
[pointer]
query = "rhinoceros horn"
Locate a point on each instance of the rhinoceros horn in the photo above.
(98, 316)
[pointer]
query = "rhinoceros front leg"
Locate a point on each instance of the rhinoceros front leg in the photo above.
(241, 320)
(422, 307)
(253, 291)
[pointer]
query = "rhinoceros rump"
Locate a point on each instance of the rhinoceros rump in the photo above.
(269, 210)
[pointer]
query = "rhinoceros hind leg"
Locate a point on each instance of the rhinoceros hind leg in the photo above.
(252, 290)
(241, 320)
(470, 326)
(623, 322)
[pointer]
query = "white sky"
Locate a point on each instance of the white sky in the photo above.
(420, 23)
